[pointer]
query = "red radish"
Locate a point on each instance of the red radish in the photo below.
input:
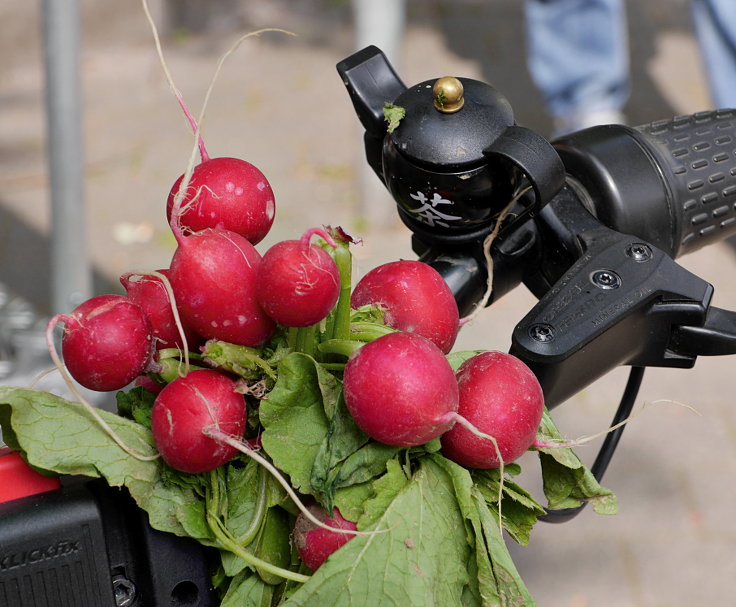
(414, 297)
(314, 544)
(189, 405)
(226, 193)
(149, 293)
(213, 275)
(107, 342)
(298, 282)
(147, 383)
(401, 390)
(501, 397)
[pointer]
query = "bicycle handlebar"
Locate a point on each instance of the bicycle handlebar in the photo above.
(671, 182)
(653, 193)
(605, 210)
(599, 216)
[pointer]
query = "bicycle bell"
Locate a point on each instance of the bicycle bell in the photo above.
(456, 158)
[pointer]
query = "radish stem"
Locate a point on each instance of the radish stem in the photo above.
(228, 542)
(344, 347)
(344, 260)
(368, 331)
(305, 340)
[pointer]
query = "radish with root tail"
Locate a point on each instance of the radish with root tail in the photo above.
(213, 276)
(226, 193)
(314, 544)
(107, 342)
(184, 408)
(500, 396)
(401, 390)
(298, 282)
(152, 293)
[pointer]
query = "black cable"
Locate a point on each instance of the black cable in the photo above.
(598, 469)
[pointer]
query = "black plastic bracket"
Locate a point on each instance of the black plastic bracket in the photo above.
(537, 160)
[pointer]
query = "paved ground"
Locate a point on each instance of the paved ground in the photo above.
(280, 104)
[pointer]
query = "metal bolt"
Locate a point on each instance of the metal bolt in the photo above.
(542, 333)
(605, 279)
(124, 591)
(638, 251)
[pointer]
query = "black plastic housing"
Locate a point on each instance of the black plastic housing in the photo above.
(88, 545)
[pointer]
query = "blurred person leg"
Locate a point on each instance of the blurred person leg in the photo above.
(578, 57)
(715, 28)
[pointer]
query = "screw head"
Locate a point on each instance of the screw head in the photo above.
(639, 251)
(124, 591)
(542, 333)
(605, 279)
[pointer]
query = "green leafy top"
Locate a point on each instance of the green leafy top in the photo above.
(393, 114)
(414, 498)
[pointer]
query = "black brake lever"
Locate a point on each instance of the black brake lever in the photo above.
(716, 337)
(622, 302)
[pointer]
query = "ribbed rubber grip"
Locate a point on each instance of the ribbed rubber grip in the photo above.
(697, 157)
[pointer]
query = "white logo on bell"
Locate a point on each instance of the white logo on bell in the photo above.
(428, 212)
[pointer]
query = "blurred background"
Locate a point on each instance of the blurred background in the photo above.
(279, 104)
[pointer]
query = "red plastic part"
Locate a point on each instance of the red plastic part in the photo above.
(18, 479)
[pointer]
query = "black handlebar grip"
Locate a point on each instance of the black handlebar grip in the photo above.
(697, 155)
(671, 182)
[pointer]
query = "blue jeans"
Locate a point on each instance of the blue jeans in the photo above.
(715, 27)
(578, 52)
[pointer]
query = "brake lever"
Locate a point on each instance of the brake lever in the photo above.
(622, 302)
(716, 337)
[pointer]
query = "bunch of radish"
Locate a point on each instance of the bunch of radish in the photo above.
(294, 419)
(397, 382)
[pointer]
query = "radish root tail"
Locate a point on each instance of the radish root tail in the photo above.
(569, 444)
(489, 259)
(196, 123)
(471, 428)
(215, 433)
(166, 284)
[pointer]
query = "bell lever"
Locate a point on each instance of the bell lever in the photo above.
(371, 82)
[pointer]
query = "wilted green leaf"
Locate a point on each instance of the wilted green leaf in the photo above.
(567, 482)
(393, 114)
